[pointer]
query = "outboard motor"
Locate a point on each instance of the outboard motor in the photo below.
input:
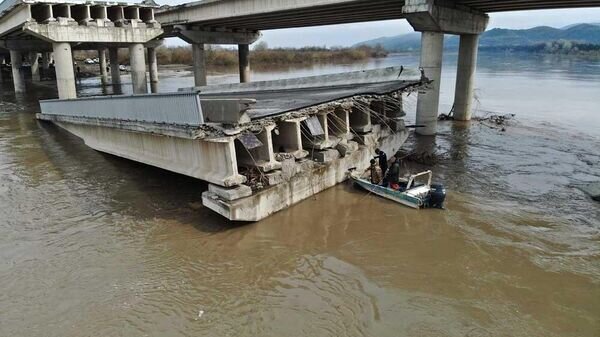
(437, 195)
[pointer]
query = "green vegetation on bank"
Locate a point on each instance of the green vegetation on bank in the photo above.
(526, 40)
(561, 47)
(260, 55)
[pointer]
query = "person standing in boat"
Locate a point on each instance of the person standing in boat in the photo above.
(375, 173)
(393, 176)
(383, 160)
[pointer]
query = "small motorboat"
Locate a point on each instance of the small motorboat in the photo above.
(415, 191)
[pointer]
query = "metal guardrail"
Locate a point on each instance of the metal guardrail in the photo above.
(8, 4)
(169, 108)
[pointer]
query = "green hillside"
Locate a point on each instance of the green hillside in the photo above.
(498, 37)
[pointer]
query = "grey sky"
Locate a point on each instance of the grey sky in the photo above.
(345, 35)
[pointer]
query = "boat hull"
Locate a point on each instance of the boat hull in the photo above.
(384, 192)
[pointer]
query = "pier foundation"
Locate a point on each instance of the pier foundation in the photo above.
(138, 68)
(465, 76)
(153, 69)
(35, 66)
(432, 45)
(65, 76)
(103, 66)
(115, 72)
(16, 61)
(244, 59)
(199, 64)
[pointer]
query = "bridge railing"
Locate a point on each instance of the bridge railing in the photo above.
(179, 108)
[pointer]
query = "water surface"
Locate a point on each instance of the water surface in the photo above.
(93, 245)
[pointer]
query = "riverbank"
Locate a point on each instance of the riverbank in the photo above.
(261, 56)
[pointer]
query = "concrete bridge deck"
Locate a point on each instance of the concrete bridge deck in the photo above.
(273, 98)
(207, 133)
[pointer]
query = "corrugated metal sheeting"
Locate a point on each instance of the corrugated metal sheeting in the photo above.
(173, 108)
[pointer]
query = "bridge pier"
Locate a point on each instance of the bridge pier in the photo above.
(199, 64)
(465, 76)
(16, 61)
(137, 61)
(433, 21)
(63, 64)
(198, 38)
(153, 69)
(103, 66)
(35, 66)
(115, 72)
(432, 46)
(244, 61)
(45, 65)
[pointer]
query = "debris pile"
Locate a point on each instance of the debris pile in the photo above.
(497, 121)
(255, 178)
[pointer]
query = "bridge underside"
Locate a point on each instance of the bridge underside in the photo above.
(253, 15)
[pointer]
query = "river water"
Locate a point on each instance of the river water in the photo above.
(93, 245)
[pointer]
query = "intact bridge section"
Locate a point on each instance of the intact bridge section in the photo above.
(33, 28)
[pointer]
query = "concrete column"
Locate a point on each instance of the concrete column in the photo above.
(63, 64)
(115, 73)
(35, 67)
(199, 64)
(432, 45)
(244, 57)
(2, 62)
(153, 69)
(103, 71)
(16, 61)
(137, 60)
(45, 61)
(465, 76)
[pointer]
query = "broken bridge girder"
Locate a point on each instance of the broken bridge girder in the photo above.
(192, 35)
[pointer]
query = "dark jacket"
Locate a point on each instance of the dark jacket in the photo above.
(383, 161)
(394, 173)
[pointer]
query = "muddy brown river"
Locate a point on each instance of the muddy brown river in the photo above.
(94, 245)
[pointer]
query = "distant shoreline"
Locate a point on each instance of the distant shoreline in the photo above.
(260, 57)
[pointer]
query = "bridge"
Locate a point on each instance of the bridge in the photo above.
(39, 27)
(245, 19)
(33, 27)
(251, 141)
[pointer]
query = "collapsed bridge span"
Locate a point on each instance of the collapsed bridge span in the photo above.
(262, 146)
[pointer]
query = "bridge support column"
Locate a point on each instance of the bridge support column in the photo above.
(63, 64)
(45, 61)
(465, 77)
(244, 57)
(16, 61)
(35, 66)
(153, 70)
(199, 64)
(115, 72)
(432, 45)
(103, 66)
(137, 60)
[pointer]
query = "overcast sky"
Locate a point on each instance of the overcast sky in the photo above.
(349, 34)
